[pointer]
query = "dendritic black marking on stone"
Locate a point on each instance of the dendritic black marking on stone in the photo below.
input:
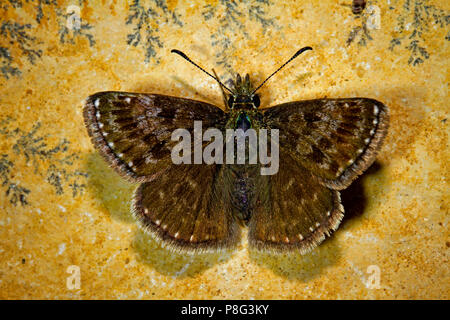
(6, 67)
(361, 29)
(53, 163)
(19, 34)
(143, 19)
(415, 21)
(15, 193)
(231, 16)
(358, 6)
(68, 36)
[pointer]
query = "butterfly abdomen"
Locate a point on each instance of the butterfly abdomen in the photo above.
(243, 189)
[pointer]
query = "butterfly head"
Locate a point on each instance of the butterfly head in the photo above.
(242, 95)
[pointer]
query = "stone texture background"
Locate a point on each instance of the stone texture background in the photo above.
(61, 205)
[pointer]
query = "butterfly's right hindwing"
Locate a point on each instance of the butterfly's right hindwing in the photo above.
(292, 210)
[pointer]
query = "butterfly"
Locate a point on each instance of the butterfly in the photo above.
(324, 144)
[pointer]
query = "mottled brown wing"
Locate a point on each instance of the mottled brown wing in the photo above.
(186, 209)
(132, 131)
(334, 139)
(293, 210)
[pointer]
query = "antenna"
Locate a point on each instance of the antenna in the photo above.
(209, 74)
(299, 52)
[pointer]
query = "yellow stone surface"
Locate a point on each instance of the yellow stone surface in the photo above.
(76, 211)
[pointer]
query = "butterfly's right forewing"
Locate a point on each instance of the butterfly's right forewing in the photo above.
(132, 131)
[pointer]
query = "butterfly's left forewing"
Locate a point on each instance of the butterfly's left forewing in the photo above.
(335, 139)
(132, 131)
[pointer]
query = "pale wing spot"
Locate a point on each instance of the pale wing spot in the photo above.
(359, 151)
(375, 109)
(192, 183)
(350, 161)
(130, 164)
(147, 100)
(176, 235)
(149, 159)
(164, 227)
(158, 222)
(372, 132)
(128, 100)
(324, 165)
(105, 134)
(100, 125)
(300, 237)
(290, 183)
(317, 224)
(146, 211)
(375, 121)
(272, 238)
(120, 155)
(111, 144)
(97, 114)
(311, 229)
(328, 213)
(367, 140)
(191, 238)
(286, 239)
(97, 103)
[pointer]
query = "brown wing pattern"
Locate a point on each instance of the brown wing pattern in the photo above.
(133, 131)
(294, 211)
(186, 209)
(335, 139)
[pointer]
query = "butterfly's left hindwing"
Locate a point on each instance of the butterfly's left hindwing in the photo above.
(335, 139)
(187, 209)
(133, 131)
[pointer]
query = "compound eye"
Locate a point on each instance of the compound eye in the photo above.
(256, 101)
(230, 101)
